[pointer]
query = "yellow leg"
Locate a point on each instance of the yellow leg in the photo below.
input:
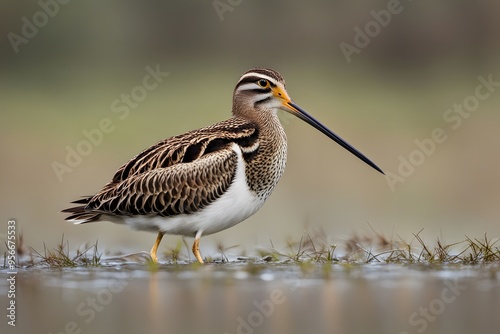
(155, 247)
(196, 247)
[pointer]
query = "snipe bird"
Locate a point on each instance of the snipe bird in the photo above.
(206, 180)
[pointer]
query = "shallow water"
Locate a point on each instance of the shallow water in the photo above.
(241, 297)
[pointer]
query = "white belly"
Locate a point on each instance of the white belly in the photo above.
(235, 205)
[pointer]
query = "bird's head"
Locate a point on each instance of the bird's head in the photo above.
(262, 90)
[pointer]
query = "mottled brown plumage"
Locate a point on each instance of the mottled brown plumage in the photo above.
(181, 174)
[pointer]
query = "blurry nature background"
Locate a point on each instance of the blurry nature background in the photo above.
(394, 90)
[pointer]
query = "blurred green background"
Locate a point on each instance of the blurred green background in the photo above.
(85, 54)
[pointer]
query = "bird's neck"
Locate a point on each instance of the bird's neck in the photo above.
(266, 168)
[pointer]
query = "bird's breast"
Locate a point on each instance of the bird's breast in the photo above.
(265, 165)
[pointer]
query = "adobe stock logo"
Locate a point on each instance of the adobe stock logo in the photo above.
(363, 37)
(122, 107)
(40, 19)
(223, 6)
(421, 318)
(263, 309)
(454, 118)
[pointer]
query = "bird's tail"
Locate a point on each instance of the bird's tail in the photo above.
(79, 214)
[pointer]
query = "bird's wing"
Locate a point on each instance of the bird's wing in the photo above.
(169, 191)
(181, 174)
(190, 146)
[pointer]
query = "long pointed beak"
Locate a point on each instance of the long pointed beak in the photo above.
(303, 115)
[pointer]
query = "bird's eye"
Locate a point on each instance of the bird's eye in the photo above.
(263, 83)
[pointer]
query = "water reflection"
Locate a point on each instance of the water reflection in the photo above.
(230, 298)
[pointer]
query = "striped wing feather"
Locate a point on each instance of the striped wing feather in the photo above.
(181, 174)
(188, 147)
(181, 188)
